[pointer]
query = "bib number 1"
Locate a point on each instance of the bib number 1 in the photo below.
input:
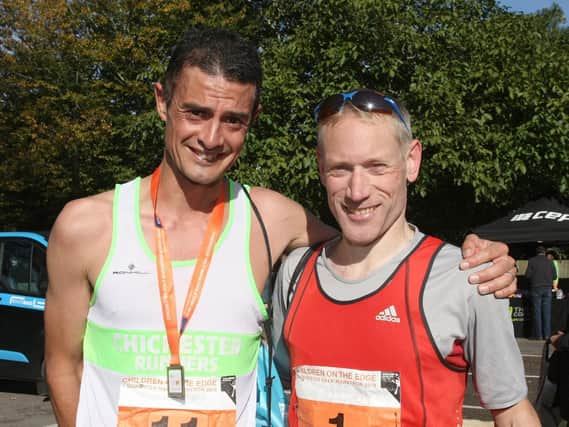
(164, 422)
(345, 397)
(210, 402)
(338, 421)
(139, 417)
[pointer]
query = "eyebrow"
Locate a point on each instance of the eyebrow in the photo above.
(235, 114)
(367, 164)
(245, 117)
(192, 106)
(339, 164)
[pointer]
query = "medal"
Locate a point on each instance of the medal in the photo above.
(175, 375)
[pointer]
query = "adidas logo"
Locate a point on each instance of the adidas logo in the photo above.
(388, 315)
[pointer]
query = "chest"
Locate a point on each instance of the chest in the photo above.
(379, 327)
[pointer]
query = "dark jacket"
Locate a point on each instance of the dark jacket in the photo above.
(540, 271)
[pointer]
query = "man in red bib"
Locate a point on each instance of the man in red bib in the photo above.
(383, 327)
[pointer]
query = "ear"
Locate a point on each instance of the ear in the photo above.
(160, 101)
(255, 114)
(413, 160)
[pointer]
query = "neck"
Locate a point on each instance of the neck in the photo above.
(179, 197)
(356, 262)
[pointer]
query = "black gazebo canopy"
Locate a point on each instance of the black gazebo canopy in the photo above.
(543, 220)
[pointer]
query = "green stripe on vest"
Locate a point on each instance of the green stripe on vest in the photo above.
(146, 353)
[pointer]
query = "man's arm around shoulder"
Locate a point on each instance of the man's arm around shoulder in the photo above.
(76, 240)
(522, 414)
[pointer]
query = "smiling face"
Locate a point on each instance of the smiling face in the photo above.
(206, 123)
(365, 171)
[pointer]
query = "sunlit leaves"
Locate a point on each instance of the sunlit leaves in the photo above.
(488, 90)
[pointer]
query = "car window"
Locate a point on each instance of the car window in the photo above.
(38, 282)
(22, 268)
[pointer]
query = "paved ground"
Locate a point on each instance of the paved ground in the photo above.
(531, 352)
(21, 407)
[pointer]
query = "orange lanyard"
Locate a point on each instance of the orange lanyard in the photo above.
(164, 269)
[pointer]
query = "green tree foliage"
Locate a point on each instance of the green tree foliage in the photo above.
(77, 96)
(488, 91)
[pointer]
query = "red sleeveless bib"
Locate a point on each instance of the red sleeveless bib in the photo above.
(371, 361)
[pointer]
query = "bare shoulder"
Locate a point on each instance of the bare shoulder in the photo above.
(288, 220)
(82, 232)
(275, 204)
(84, 218)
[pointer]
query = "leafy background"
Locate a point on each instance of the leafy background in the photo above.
(488, 90)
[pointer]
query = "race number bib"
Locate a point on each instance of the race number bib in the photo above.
(209, 402)
(347, 397)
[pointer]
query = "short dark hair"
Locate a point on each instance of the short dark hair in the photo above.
(540, 250)
(217, 52)
(553, 253)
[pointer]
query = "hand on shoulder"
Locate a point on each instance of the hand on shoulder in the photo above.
(498, 277)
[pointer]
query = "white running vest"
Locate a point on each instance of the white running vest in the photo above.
(125, 340)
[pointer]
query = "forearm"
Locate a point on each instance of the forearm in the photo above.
(522, 414)
(64, 396)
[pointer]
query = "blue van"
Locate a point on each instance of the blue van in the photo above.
(23, 283)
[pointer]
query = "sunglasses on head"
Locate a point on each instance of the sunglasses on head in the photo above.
(363, 99)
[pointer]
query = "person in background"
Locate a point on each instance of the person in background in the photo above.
(560, 340)
(541, 274)
(154, 288)
(552, 255)
(383, 328)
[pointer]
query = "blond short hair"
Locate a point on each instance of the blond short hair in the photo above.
(402, 130)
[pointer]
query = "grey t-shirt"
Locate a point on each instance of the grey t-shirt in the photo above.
(454, 311)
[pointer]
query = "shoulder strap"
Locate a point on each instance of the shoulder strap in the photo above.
(267, 295)
(272, 271)
(262, 224)
(296, 274)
